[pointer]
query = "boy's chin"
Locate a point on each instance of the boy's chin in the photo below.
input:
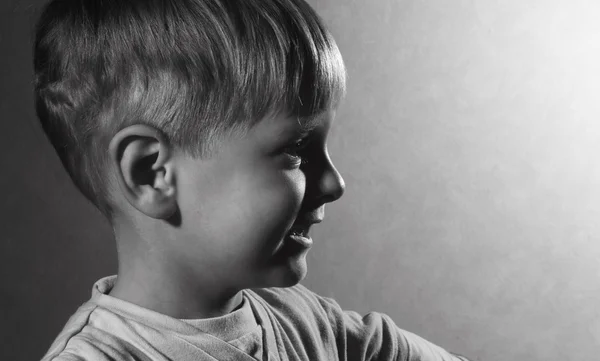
(288, 274)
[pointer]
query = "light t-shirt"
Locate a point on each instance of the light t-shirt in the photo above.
(295, 325)
(238, 328)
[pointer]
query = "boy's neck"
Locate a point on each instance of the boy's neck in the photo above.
(175, 299)
(149, 278)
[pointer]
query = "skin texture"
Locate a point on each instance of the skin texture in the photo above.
(192, 233)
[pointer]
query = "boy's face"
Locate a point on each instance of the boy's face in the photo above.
(238, 207)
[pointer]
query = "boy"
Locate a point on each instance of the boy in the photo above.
(199, 127)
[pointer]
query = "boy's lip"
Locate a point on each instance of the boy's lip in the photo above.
(307, 222)
(310, 218)
(304, 224)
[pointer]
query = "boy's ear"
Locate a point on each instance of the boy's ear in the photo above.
(144, 167)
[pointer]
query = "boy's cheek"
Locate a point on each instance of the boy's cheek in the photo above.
(284, 193)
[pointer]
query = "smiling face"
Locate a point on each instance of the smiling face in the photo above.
(243, 209)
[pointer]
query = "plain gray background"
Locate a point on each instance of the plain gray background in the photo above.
(469, 142)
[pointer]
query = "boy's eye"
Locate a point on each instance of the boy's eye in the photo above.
(293, 151)
(297, 147)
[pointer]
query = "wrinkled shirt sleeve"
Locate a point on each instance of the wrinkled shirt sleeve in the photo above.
(376, 337)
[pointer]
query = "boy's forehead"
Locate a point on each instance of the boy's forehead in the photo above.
(293, 125)
(282, 128)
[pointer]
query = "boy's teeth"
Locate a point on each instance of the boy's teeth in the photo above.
(298, 232)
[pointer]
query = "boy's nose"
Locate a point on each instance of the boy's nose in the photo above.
(331, 184)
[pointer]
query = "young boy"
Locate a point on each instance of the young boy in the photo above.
(199, 128)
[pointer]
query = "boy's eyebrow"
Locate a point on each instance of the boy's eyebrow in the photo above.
(302, 128)
(308, 124)
(295, 132)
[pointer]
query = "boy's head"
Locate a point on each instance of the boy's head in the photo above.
(189, 112)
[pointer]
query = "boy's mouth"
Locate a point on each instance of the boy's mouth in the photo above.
(299, 231)
(300, 238)
(301, 227)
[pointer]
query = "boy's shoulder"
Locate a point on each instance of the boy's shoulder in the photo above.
(81, 340)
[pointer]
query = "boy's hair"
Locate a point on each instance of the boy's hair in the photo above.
(193, 69)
